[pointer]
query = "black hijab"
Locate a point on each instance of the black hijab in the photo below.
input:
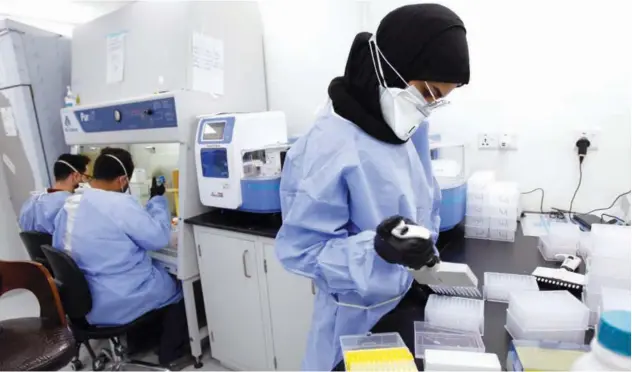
(422, 42)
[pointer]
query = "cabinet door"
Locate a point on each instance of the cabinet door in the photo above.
(231, 296)
(291, 299)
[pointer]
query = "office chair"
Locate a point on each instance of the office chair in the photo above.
(77, 301)
(34, 344)
(33, 241)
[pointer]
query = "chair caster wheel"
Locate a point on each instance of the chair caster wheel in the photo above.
(198, 363)
(99, 363)
(76, 365)
(120, 350)
(102, 360)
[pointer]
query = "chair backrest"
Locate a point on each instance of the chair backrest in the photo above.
(33, 241)
(35, 278)
(73, 286)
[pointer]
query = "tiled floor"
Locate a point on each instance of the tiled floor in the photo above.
(21, 303)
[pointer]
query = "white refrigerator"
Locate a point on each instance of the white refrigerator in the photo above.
(34, 73)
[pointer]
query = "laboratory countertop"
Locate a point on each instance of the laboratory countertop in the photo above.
(520, 257)
(266, 225)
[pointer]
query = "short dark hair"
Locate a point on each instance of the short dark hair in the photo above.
(108, 168)
(62, 171)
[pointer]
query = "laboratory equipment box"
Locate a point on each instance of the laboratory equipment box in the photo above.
(34, 73)
(154, 46)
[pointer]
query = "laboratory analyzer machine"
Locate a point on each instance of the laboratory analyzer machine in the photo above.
(239, 159)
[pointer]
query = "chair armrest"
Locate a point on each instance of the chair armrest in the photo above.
(34, 277)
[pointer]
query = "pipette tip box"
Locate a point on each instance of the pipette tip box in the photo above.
(454, 360)
(376, 352)
(543, 355)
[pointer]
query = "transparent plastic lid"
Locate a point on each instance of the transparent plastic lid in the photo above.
(371, 341)
(447, 341)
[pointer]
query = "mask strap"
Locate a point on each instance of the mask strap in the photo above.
(387, 62)
(121, 163)
(434, 99)
(376, 56)
(68, 165)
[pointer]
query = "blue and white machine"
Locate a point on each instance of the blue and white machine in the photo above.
(239, 159)
(448, 165)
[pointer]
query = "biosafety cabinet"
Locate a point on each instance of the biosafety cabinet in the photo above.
(154, 46)
(34, 73)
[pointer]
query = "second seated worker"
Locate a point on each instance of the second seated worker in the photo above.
(109, 235)
(39, 211)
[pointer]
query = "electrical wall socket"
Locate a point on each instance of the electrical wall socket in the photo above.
(487, 141)
(508, 141)
(592, 134)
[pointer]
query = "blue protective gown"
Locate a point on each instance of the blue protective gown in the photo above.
(108, 235)
(338, 184)
(39, 211)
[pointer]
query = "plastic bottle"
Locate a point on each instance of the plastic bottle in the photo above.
(610, 349)
(70, 99)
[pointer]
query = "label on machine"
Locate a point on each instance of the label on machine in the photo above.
(151, 114)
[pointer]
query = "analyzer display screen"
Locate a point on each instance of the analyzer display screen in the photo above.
(213, 131)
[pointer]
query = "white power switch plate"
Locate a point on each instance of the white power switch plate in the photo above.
(508, 141)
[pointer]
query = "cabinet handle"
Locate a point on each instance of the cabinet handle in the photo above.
(313, 288)
(243, 261)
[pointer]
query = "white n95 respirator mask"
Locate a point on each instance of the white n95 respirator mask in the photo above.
(402, 109)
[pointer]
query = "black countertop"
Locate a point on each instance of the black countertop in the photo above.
(266, 225)
(520, 257)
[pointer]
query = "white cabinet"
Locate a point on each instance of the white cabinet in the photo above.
(291, 299)
(259, 314)
(230, 284)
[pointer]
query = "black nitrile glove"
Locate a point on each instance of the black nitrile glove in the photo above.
(411, 252)
(156, 189)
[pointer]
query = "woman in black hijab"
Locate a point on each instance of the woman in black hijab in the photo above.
(424, 43)
(352, 184)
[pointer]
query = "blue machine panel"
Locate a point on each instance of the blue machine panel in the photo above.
(150, 114)
(261, 196)
(214, 162)
(217, 130)
(452, 206)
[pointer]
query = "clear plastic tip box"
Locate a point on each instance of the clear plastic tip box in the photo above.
(492, 208)
(376, 352)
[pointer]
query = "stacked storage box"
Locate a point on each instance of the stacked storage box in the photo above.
(546, 315)
(561, 239)
(608, 271)
(492, 208)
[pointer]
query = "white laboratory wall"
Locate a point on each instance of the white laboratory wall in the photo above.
(306, 45)
(542, 70)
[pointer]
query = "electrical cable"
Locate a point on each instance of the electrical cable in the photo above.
(611, 205)
(541, 199)
(611, 216)
(579, 184)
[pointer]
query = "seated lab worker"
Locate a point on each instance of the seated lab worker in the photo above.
(351, 185)
(39, 211)
(108, 234)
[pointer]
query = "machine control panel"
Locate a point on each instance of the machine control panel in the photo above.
(150, 114)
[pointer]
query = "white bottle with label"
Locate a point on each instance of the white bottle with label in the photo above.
(610, 349)
(70, 99)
